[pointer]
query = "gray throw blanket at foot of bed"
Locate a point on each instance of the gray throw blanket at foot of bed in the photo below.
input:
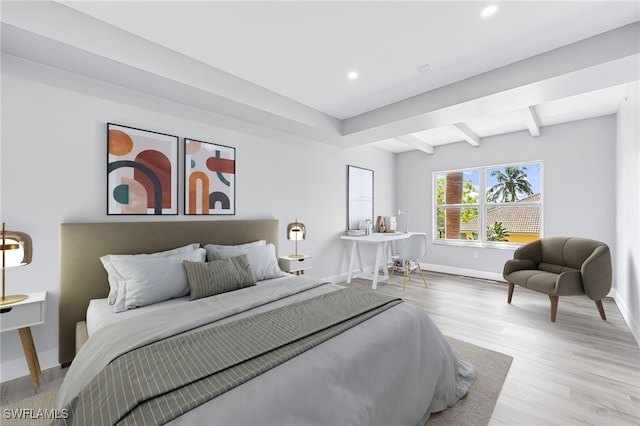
(158, 382)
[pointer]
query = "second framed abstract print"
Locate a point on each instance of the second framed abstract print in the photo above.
(210, 178)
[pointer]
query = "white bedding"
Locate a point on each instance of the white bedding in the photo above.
(100, 312)
(393, 369)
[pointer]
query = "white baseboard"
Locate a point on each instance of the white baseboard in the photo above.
(485, 275)
(633, 323)
(336, 278)
(14, 368)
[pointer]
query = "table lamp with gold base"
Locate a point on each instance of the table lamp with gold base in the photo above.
(296, 231)
(16, 251)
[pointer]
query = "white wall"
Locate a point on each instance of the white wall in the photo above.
(626, 288)
(578, 185)
(53, 160)
(53, 170)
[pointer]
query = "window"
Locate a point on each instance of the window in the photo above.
(508, 212)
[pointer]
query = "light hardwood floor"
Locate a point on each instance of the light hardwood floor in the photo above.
(579, 370)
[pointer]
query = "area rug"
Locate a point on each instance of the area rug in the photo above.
(476, 407)
(473, 410)
(35, 410)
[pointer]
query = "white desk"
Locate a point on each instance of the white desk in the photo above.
(383, 254)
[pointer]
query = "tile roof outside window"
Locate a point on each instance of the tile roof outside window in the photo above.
(522, 220)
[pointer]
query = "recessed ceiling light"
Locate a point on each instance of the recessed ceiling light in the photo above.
(426, 68)
(489, 10)
(352, 75)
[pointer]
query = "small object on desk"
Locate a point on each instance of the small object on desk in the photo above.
(356, 232)
(365, 225)
(295, 265)
(392, 225)
(21, 316)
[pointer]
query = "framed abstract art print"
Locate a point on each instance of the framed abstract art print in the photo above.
(142, 172)
(210, 178)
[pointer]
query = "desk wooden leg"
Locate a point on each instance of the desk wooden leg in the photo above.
(31, 355)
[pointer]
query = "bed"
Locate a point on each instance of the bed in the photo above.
(389, 364)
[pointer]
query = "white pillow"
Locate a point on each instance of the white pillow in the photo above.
(261, 258)
(215, 247)
(113, 275)
(150, 280)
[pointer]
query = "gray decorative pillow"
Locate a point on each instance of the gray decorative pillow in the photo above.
(218, 276)
(263, 261)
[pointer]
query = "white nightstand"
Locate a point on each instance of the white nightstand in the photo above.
(295, 265)
(22, 316)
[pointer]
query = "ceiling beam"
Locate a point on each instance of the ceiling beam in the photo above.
(417, 143)
(466, 133)
(531, 119)
(570, 70)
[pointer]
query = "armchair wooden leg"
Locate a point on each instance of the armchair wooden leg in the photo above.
(510, 296)
(601, 310)
(554, 307)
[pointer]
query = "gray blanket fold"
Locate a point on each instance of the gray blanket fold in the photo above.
(158, 382)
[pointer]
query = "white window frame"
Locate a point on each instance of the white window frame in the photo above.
(482, 207)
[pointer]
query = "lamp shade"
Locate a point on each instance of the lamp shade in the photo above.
(16, 250)
(296, 231)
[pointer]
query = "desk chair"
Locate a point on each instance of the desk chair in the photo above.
(414, 249)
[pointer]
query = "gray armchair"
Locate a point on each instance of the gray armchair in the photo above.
(561, 266)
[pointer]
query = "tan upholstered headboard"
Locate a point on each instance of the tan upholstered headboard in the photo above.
(83, 278)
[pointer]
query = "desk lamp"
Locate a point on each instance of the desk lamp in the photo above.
(401, 212)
